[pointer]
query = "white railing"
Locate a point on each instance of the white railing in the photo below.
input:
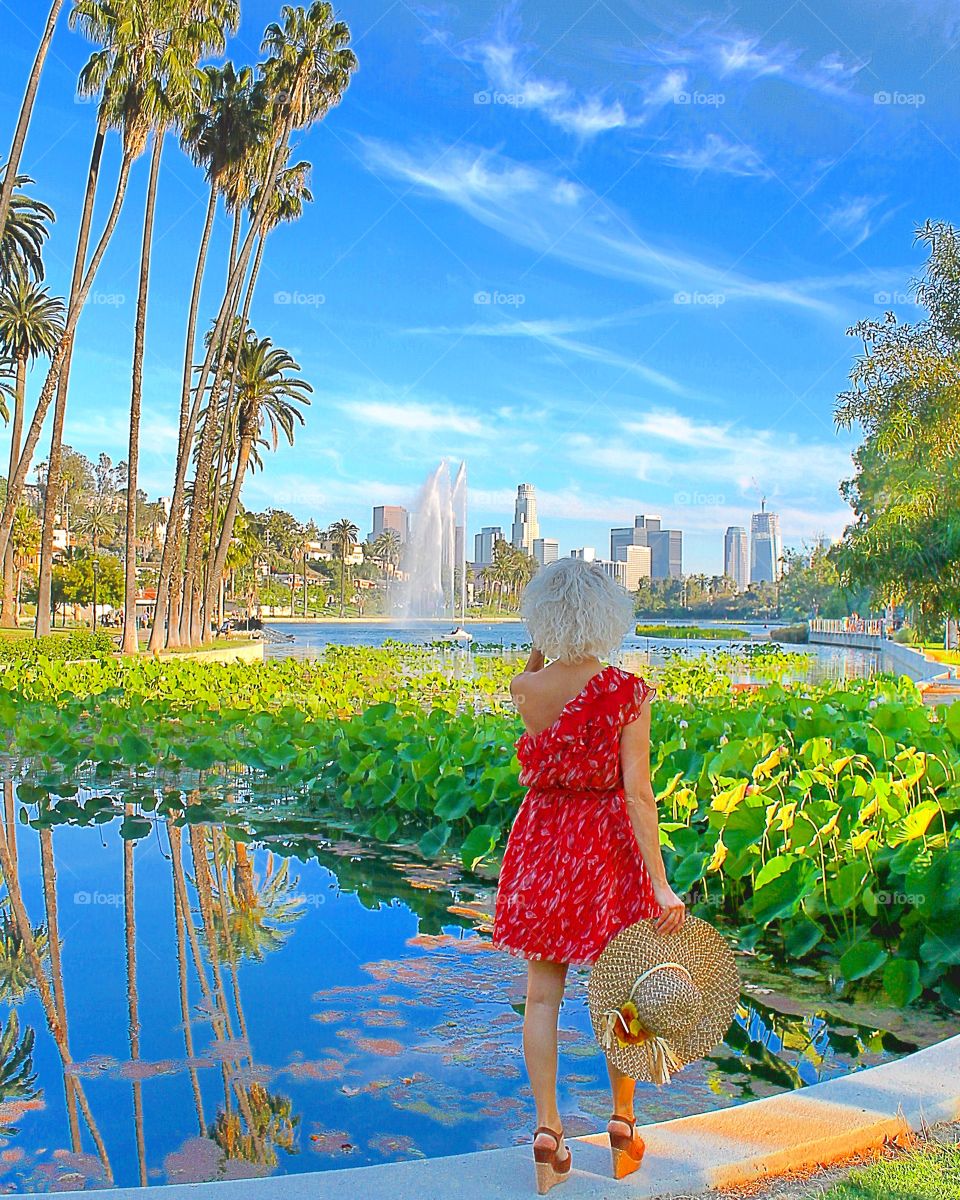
(873, 628)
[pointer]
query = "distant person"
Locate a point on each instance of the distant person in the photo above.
(583, 859)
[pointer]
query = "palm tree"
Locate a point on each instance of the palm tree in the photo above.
(169, 78)
(228, 126)
(24, 232)
(343, 534)
(266, 394)
(26, 111)
(306, 72)
(30, 323)
(107, 72)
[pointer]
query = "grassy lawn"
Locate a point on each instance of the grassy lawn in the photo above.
(929, 1173)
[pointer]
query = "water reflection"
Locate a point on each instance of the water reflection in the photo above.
(190, 1007)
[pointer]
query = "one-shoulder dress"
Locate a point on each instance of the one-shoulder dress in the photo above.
(572, 875)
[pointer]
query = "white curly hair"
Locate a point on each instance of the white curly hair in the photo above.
(574, 609)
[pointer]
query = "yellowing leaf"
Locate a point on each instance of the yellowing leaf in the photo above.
(719, 856)
(768, 765)
(726, 802)
(869, 809)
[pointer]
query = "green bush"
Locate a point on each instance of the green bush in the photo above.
(791, 633)
(58, 647)
(692, 631)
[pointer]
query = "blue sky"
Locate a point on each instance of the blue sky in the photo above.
(610, 248)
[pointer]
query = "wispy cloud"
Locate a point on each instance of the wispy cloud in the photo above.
(555, 334)
(501, 55)
(563, 219)
(728, 54)
(414, 417)
(854, 218)
(717, 153)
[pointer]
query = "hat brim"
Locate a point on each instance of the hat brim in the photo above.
(698, 947)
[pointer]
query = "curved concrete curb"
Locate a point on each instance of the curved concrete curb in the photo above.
(794, 1131)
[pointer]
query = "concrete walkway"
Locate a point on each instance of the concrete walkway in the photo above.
(792, 1131)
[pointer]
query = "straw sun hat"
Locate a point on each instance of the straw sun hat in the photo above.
(658, 1001)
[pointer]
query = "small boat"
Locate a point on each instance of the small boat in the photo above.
(457, 635)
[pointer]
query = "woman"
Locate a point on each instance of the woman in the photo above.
(583, 857)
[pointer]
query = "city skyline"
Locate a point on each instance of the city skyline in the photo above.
(677, 346)
(642, 550)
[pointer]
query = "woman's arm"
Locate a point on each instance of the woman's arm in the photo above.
(642, 810)
(534, 663)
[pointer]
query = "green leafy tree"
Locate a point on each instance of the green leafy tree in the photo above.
(904, 543)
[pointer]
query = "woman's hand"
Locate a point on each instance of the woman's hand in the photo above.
(674, 910)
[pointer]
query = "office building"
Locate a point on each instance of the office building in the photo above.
(483, 544)
(526, 527)
(391, 516)
(666, 546)
(587, 553)
(617, 570)
(766, 547)
(637, 560)
(546, 550)
(736, 556)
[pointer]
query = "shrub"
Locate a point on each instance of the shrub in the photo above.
(791, 633)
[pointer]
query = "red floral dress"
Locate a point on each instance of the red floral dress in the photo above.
(572, 875)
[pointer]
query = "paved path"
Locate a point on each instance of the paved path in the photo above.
(791, 1131)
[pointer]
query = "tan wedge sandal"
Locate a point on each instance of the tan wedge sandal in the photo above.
(626, 1150)
(549, 1170)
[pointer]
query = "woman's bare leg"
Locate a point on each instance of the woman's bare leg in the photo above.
(545, 984)
(622, 1088)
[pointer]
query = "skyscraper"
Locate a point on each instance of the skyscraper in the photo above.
(483, 544)
(666, 546)
(526, 527)
(546, 550)
(391, 516)
(766, 547)
(736, 557)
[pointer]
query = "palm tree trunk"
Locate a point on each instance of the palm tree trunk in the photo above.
(210, 587)
(161, 632)
(8, 606)
(60, 355)
(51, 498)
(49, 872)
(227, 307)
(131, 639)
(229, 517)
(343, 576)
(21, 919)
(133, 1007)
(234, 241)
(26, 112)
(179, 919)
